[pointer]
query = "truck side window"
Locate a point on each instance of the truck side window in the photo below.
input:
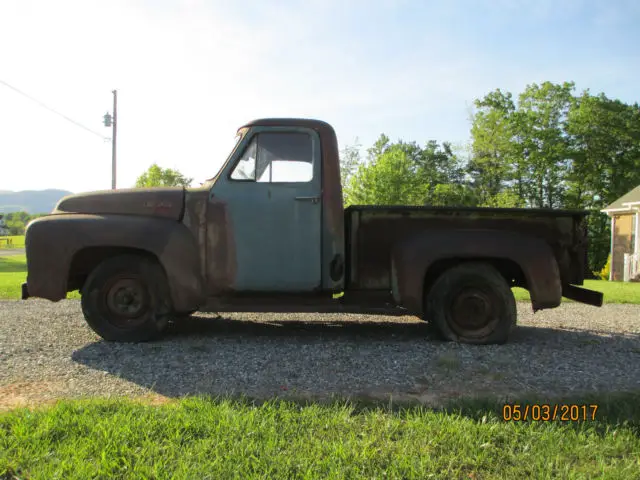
(284, 157)
(276, 158)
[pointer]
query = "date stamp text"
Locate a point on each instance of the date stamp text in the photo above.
(549, 412)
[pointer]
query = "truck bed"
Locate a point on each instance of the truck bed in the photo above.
(371, 231)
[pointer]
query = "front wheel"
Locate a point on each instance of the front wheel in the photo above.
(472, 303)
(126, 299)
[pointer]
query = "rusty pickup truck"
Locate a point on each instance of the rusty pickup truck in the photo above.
(269, 233)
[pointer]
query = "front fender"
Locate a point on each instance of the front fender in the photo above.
(53, 241)
(412, 258)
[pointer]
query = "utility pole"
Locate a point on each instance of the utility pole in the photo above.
(113, 140)
(112, 122)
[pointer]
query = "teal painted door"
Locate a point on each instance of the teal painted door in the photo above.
(272, 190)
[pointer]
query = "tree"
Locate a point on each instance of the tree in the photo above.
(349, 162)
(453, 195)
(157, 176)
(522, 148)
(16, 222)
(404, 173)
(494, 164)
(387, 180)
(606, 144)
(605, 137)
(555, 149)
(541, 126)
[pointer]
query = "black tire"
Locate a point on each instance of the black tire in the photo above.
(472, 303)
(126, 299)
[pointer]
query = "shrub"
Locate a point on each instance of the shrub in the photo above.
(604, 273)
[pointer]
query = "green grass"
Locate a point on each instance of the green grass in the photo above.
(17, 241)
(614, 292)
(13, 271)
(204, 438)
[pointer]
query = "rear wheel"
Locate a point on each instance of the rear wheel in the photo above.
(126, 299)
(472, 303)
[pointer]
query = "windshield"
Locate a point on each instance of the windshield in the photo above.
(239, 136)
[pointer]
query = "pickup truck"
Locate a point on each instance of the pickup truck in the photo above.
(269, 233)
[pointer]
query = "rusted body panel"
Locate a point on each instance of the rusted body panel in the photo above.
(391, 248)
(167, 202)
(209, 239)
(414, 258)
(54, 241)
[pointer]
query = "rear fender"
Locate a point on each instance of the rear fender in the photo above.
(54, 241)
(413, 258)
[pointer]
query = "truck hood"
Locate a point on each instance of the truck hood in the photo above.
(167, 202)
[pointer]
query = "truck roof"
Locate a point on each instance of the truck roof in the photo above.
(290, 122)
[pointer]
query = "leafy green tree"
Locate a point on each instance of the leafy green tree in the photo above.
(388, 180)
(522, 148)
(157, 176)
(349, 162)
(453, 195)
(605, 163)
(494, 164)
(540, 124)
(378, 148)
(16, 222)
(404, 173)
(606, 141)
(555, 149)
(504, 199)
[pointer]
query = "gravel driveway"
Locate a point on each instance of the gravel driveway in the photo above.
(8, 252)
(47, 352)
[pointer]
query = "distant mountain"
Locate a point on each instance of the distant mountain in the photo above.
(31, 201)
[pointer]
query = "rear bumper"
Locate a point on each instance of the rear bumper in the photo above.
(25, 291)
(583, 295)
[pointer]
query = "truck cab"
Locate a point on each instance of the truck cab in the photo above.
(269, 233)
(281, 196)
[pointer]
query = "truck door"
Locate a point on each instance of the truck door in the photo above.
(272, 190)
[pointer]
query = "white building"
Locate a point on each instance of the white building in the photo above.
(625, 236)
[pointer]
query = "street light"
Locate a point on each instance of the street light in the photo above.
(112, 122)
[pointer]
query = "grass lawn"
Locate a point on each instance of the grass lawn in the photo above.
(13, 271)
(614, 292)
(204, 438)
(17, 241)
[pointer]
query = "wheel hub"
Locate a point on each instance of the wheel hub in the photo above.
(471, 309)
(126, 298)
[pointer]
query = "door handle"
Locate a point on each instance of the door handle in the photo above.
(308, 199)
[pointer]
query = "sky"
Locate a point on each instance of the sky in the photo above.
(190, 72)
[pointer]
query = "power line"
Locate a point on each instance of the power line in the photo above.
(52, 110)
